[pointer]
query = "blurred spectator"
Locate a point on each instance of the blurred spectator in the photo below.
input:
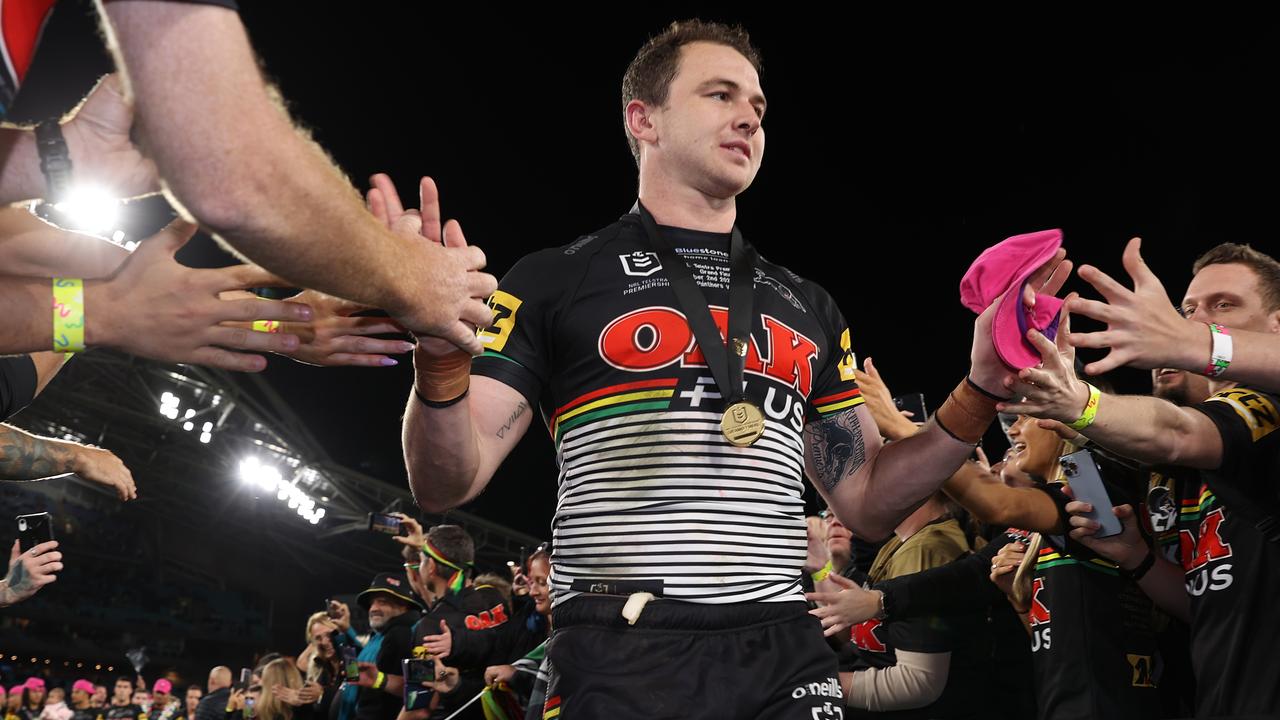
(55, 706)
(213, 706)
(497, 582)
(13, 709)
(142, 699)
(122, 706)
(164, 706)
(320, 660)
(527, 677)
(280, 698)
(194, 693)
(35, 686)
(81, 695)
(99, 699)
(392, 612)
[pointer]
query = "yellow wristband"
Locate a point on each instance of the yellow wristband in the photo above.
(380, 681)
(1090, 410)
(68, 315)
(266, 326)
(823, 573)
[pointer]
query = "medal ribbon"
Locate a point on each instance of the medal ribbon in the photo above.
(726, 368)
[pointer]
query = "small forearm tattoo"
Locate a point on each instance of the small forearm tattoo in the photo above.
(836, 448)
(511, 421)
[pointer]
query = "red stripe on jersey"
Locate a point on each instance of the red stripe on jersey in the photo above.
(837, 397)
(640, 385)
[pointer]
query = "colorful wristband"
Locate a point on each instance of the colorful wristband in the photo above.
(68, 315)
(1090, 410)
(823, 572)
(266, 326)
(1220, 356)
(380, 681)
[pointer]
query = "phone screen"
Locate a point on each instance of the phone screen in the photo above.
(416, 672)
(1085, 481)
(350, 665)
(389, 524)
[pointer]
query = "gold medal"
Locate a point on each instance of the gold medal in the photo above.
(742, 424)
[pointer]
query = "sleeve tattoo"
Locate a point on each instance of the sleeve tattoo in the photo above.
(836, 447)
(28, 457)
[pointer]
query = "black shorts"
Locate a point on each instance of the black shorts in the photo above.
(686, 661)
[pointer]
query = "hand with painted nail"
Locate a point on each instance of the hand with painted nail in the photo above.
(336, 336)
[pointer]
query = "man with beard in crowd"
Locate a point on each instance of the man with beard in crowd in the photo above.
(392, 612)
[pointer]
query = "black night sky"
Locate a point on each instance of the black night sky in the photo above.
(896, 152)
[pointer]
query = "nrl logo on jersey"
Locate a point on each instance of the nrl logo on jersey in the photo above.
(640, 263)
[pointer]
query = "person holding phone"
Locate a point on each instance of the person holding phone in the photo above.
(1230, 554)
(29, 571)
(1092, 655)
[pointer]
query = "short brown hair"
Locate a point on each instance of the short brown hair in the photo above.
(1262, 264)
(648, 77)
(454, 544)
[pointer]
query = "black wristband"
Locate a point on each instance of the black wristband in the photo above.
(938, 421)
(55, 159)
(434, 405)
(980, 389)
(1144, 567)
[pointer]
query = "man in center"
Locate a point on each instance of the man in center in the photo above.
(688, 385)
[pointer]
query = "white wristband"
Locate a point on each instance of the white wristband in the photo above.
(1220, 358)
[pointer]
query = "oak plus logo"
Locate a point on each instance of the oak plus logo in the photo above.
(640, 263)
(1038, 618)
(865, 637)
(1201, 556)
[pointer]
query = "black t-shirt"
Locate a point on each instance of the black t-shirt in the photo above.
(17, 384)
(476, 617)
(1160, 521)
(1232, 571)
(651, 494)
(1093, 646)
(122, 712)
(397, 644)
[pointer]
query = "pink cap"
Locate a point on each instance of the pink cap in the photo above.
(17, 689)
(35, 683)
(162, 686)
(1000, 272)
(84, 685)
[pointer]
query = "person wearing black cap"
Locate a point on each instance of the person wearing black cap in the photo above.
(392, 612)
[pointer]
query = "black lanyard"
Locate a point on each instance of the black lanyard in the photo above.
(726, 369)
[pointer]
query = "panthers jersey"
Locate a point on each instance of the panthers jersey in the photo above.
(651, 495)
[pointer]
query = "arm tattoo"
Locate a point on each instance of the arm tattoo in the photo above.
(836, 448)
(27, 457)
(515, 415)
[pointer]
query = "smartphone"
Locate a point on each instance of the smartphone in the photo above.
(389, 524)
(350, 665)
(34, 529)
(914, 402)
(331, 608)
(1085, 480)
(246, 676)
(249, 710)
(415, 672)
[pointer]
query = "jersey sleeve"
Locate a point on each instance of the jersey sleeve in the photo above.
(1246, 420)
(518, 343)
(834, 387)
(17, 384)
